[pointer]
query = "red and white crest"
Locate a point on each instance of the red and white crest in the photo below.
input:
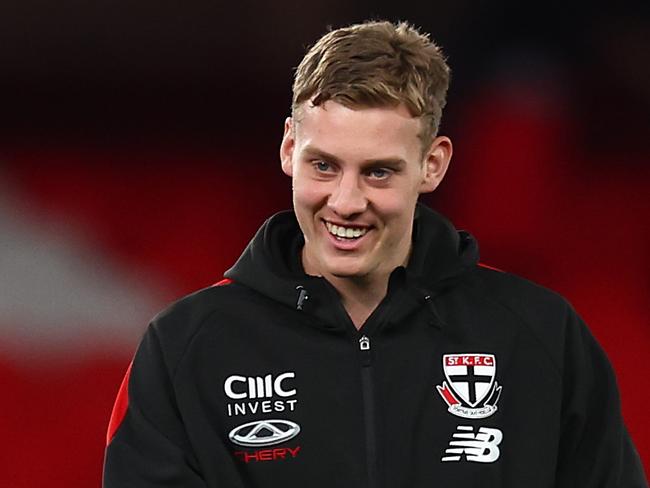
(470, 375)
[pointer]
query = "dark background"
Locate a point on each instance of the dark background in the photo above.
(150, 129)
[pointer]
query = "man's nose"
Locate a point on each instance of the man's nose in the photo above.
(348, 198)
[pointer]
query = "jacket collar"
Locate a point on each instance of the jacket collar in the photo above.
(271, 265)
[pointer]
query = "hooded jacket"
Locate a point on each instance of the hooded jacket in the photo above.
(462, 376)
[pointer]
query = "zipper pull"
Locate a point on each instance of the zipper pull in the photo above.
(364, 346)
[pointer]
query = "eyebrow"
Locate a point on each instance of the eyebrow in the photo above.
(368, 163)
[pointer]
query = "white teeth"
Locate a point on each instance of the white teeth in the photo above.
(346, 232)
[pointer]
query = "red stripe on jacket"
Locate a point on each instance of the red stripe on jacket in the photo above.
(120, 406)
(225, 281)
(483, 265)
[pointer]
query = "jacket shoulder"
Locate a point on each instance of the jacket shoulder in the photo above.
(518, 293)
(542, 312)
(176, 326)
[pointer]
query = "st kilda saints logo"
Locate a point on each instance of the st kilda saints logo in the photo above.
(471, 390)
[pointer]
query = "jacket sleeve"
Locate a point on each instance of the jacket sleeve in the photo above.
(146, 443)
(595, 448)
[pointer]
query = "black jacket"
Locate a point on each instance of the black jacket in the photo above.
(463, 376)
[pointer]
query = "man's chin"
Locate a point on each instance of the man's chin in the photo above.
(347, 272)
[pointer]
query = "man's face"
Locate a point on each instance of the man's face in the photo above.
(357, 174)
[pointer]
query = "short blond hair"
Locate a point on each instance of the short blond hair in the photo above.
(376, 64)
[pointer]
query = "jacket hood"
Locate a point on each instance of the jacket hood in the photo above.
(271, 263)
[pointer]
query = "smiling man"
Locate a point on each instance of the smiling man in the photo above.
(357, 173)
(357, 341)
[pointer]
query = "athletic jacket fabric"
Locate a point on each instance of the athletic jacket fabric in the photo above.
(463, 376)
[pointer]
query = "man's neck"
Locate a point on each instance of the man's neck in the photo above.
(360, 297)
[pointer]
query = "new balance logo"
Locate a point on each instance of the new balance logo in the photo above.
(482, 447)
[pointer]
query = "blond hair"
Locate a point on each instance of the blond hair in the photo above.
(376, 64)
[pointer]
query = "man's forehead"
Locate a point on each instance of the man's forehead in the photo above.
(333, 117)
(358, 134)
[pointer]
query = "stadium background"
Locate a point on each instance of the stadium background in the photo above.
(138, 154)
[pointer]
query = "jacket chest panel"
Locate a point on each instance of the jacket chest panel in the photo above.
(282, 398)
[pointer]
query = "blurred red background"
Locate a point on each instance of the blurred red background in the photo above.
(138, 157)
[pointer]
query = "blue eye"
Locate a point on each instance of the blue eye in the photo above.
(379, 173)
(322, 166)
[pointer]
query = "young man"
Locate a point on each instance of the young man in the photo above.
(357, 342)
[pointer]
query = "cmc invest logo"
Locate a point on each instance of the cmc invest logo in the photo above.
(254, 395)
(239, 387)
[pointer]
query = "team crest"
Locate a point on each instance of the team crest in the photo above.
(471, 390)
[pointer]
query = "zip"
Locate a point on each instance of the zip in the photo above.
(368, 409)
(367, 390)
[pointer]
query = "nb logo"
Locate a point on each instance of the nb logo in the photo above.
(482, 447)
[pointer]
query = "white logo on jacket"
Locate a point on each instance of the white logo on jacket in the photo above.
(257, 386)
(482, 447)
(239, 387)
(264, 432)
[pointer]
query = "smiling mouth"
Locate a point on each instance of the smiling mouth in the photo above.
(345, 233)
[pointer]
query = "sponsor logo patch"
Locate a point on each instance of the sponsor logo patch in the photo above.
(254, 395)
(264, 432)
(470, 390)
(240, 387)
(277, 454)
(480, 447)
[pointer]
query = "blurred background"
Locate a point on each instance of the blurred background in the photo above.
(138, 155)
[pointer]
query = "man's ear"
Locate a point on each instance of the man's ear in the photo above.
(286, 148)
(436, 162)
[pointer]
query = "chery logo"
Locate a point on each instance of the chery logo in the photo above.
(264, 432)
